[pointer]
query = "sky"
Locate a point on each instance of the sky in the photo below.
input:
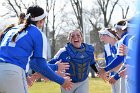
(3, 10)
(88, 4)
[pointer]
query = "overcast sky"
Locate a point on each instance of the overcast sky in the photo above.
(88, 4)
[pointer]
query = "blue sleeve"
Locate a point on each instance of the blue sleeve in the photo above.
(109, 59)
(39, 65)
(117, 76)
(54, 67)
(53, 61)
(39, 42)
(61, 55)
(114, 63)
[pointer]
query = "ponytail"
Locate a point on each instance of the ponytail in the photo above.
(27, 23)
(2, 34)
(34, 14)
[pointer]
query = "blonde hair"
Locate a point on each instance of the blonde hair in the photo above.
(74, 31)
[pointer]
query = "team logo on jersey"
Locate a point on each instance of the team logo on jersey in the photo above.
(82, 56)
(68, 57)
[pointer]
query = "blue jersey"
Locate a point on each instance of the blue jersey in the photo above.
(119, 59)
(110, 52)
(20, 51)
(30, 45)
(79, 60)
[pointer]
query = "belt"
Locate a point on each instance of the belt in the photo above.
(4, 62)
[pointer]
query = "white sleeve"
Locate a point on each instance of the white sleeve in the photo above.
(59, 52)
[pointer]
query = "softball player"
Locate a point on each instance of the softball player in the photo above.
(18, 47)
(80, 57)
(121, 28)
(110, 39)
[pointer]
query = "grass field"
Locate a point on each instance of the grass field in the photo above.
(96, 86)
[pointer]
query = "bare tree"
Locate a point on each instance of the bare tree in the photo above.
(77, 7)
(124, 13)
(16, 6)
(54, 23)
(104, 6)
(53, 30)
(24, 5)
(125, 9)
(14, 9)
(49, 4)
(94, 17)
(61, 38)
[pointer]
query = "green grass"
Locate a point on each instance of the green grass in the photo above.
(96, 86)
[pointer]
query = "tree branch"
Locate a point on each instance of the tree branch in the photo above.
(18, 5)
(112, 11)
(127, 9)
(13, 7)
(23, 4)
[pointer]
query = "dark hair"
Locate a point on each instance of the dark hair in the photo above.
(34, 11)
(123, 23)
(21, 18)
(5, 31)
(114, 33)
(8, 28)
(22, 15)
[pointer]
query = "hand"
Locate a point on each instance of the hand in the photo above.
(29, 81)
(37, 76)
(123, 73)
(67, 85)
(62, 66)
(44, 78)
(101, 72)
(63, 74)
(112, 80)
(34, 77)
(123, 50)
(105, 77)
